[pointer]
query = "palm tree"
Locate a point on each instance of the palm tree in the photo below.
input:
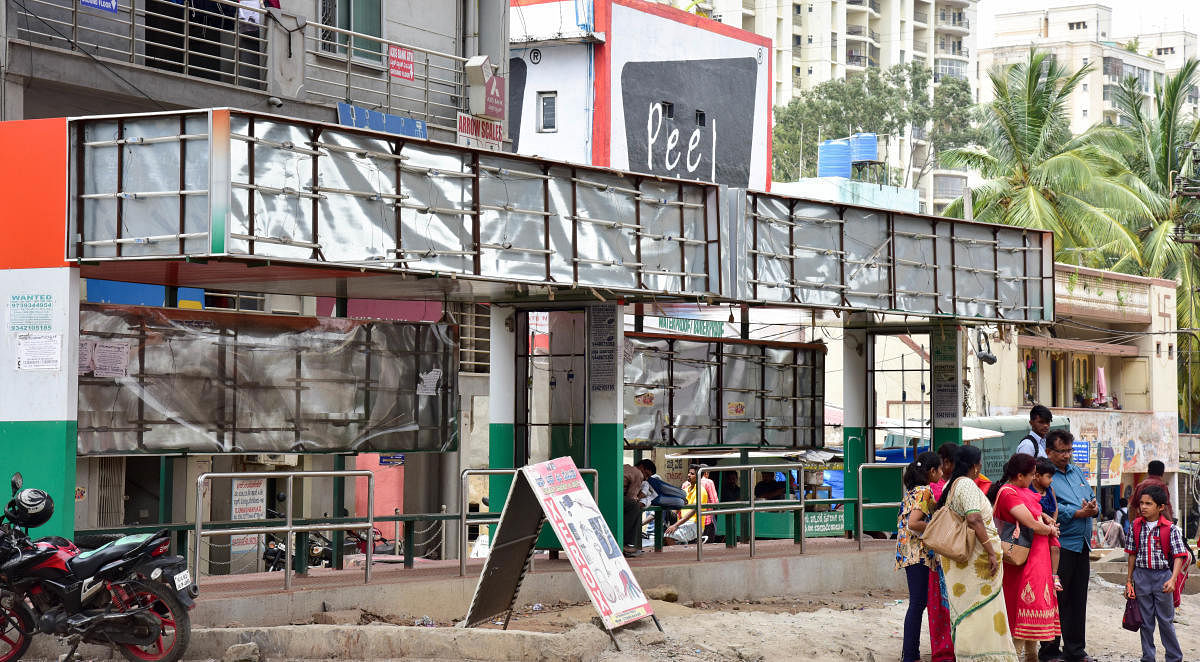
(1158, 157)
(1038, 175)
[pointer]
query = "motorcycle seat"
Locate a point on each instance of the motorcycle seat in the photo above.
(86, 564)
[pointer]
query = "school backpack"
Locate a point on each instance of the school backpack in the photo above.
(1164, 539)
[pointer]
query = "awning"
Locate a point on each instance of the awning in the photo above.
(1082, 346)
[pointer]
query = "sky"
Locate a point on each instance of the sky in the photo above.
(1129, 16)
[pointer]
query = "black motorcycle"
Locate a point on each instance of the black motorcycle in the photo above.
(129, 593)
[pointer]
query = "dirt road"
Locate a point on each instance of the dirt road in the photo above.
(847, 626)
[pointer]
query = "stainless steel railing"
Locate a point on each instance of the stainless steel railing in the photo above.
(230, 43)
(860, 506)
(463, 522)
(288, 528)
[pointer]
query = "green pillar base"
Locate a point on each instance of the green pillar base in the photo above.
(44, 453)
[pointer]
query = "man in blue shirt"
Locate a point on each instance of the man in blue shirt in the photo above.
(1076, 508)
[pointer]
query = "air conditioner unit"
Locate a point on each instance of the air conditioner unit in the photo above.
(275, 459)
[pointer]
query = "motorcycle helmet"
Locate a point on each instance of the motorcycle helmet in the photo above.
(30, 508)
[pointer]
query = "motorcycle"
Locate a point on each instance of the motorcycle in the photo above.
(129, 593)
(381, 544)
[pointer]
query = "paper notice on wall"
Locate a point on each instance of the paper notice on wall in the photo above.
(249, 501)
(110, 359)
(429, 382)
(30, 313)
(602, 348)
(86, 349)
(39, 351)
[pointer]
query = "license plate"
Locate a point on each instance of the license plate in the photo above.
(183, 580)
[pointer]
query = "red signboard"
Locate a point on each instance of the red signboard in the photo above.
(400, 62)
(493, 104)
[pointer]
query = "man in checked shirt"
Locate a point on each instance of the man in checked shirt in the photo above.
(1157, 555)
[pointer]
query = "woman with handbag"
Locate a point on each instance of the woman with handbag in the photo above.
(962, 526)
(1025, 534)
(917, 562)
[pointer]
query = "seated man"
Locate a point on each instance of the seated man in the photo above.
(668, 495)
(769, 488)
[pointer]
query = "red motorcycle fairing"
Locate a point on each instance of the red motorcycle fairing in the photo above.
(54, 566)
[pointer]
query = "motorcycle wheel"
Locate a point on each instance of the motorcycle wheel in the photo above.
(14, 640)
(175, 628)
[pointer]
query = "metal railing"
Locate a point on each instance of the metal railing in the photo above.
(920, 16)
(483, 519)
(920, 47)
(957, 51)
(950, 21)
(861, 506)
(856, 60)
(752, 506)
(289, 527)
(381, 74)
(229, 43)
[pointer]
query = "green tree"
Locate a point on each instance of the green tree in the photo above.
(883, 102)
(1160, 135)
(1038, 175)
(951, 120)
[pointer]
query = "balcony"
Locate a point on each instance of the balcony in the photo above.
(855, 60)
(953, 22)
(948, 187)
(241, 48)
(862, 32)
(920, 16)
(873, 5)
(1101, 296)
(920, 47)
(954, 51)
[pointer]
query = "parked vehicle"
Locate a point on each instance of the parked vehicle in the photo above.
(129, 593)
(382, 544)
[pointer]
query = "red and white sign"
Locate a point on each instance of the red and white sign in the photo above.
(249, 501)
(479, 132)
(400, 62)
(594, 552)
(496, 95)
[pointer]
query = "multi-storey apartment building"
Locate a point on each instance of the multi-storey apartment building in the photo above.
(1081, 35)
(820, 40)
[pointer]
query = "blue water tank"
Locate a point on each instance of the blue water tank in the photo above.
(833, 158)
(864, 147)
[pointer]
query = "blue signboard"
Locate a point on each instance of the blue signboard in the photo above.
(391, 460)
(106, 5)
(1081, 452)
(365, 118)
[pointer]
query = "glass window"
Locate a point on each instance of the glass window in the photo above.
(361, 16)
(547, 103)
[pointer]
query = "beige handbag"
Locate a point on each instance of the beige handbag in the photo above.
(948, 534)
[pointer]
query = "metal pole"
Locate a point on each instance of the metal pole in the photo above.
(196, 543)
(699, 513)
(462, 526)
(858, 514)
(291, 546)
(803, 510)
(370, 537)
(442, 545)
(752, 516)
(396, 540)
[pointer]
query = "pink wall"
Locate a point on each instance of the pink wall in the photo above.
(385, 309)
(389, 489)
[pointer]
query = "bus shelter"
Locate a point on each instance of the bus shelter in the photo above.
(245, 201)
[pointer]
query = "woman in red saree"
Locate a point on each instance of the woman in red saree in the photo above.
(1029, 588)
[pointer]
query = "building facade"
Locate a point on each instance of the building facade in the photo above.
(1082, 35)
(820, 40)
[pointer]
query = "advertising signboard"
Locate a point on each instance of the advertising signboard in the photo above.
(594, 552)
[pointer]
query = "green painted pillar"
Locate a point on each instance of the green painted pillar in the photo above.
(39, 397)
(855, 444)
(606, 415)
(945, 372)
(502, 400)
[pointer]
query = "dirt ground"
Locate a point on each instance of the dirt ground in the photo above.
(839, 626)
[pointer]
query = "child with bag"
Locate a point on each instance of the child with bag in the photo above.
(1157, 556)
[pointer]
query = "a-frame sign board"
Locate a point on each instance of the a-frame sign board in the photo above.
(555, 491)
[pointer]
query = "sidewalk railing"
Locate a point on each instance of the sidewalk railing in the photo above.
(289, 527)
(861, 505)
(465, 519)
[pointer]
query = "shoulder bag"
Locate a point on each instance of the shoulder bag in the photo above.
(1015, 540)
(948, 534)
